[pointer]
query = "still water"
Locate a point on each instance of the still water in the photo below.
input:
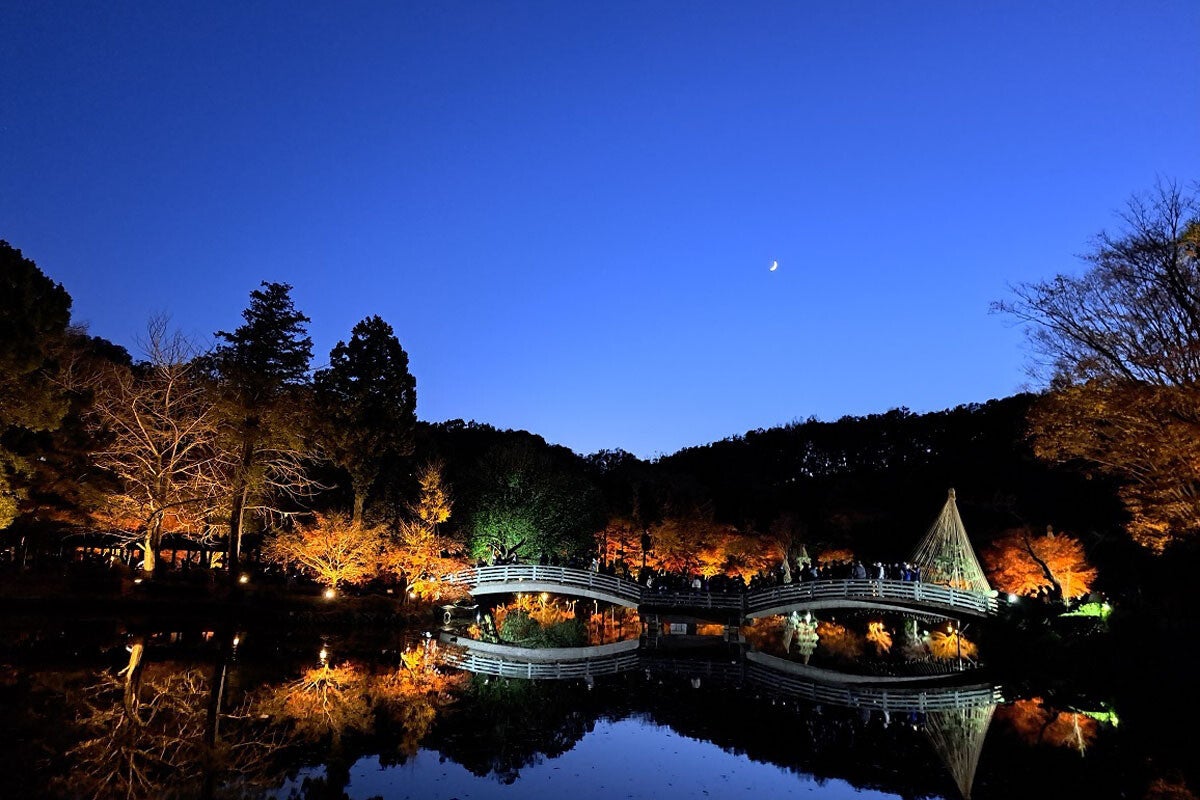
(116, 710)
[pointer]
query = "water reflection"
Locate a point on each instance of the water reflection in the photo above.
(157, 714)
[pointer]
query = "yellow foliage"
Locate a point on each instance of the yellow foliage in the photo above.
(879, 636)
(334, 549)
(1145, 436)
(326, 701)
(835, 554)
(545, 612)
(951, 645)
(765, 634)
(838, 640)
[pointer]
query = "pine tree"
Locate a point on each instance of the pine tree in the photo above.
(367, 402)
(262, 370)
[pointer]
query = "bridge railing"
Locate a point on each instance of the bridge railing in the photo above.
(910, 592)
(541, 573)
(930, 698)
(686, 599)
(509, 668)
(868, 589)
(883, 699)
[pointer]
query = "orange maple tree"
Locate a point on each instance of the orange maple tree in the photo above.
(1020, 563)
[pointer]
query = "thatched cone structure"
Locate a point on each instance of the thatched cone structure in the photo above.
(945, 554)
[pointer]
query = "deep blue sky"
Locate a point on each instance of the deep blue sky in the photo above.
(567, 210)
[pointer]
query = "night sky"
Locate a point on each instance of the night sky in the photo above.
(567, 210)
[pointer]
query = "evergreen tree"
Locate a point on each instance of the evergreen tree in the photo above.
(34, 315)
(262, 369)
(367, 402)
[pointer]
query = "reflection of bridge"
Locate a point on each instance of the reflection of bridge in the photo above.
(884, 595)
(891, 694)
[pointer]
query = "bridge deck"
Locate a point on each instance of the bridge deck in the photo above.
(893, 595)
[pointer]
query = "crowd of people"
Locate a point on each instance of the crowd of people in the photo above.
(804, 570)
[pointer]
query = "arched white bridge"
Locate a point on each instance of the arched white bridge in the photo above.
(884, 693)
(884, 595)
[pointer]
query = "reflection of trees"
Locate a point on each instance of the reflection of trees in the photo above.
(1038, 724)
(502, 725)
(162, 750)
(330, 702)
(839, 641)
(951, 644)
(326, 702)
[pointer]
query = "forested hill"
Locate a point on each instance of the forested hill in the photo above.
(876, 482)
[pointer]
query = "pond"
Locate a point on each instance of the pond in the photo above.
(100, 708)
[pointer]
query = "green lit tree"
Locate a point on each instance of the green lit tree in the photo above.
(530, 504)
(367, 406)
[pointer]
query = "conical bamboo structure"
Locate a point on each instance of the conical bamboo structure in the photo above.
(945, 554)
(957, 736)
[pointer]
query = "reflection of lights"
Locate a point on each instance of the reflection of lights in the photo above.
(330, 593)
(236, 641)
(243, 578)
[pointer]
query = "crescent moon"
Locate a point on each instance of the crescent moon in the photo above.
(774, 266)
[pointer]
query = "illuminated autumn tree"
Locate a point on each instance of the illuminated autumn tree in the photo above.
(1023, 564)
(619, 535)
(1141, 434)
(677, 543)
(1119, 345)
(421, 558)
(434, 502)
(333, 550)
(951, 643)
(418, 555)
(880, 637)
(839, 641)
(157, 432)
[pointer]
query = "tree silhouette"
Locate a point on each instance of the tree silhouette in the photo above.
(367, 402)
(1120, 344)
(34, 315)
(262, 369)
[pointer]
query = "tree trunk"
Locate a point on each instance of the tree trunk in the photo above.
(1057, 590)
(234, 550)
(150, 547)
(133, 682)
